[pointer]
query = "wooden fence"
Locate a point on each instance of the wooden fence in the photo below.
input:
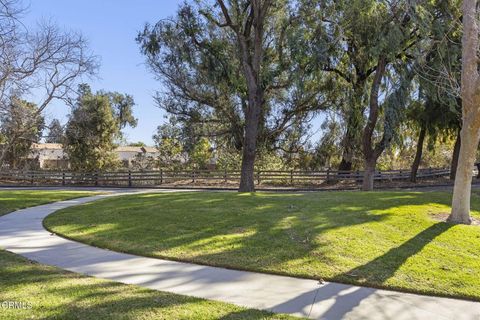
(203, 177)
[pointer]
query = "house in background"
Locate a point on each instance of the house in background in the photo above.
(136, 156)
(52, 156)
(48, 156)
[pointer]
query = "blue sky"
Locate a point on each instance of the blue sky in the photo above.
(111, 27)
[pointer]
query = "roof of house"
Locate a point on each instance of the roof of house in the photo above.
(49, 146)
(58, 146)
(135, 149)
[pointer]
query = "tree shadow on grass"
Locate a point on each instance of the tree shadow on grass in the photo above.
(58, 294)
(377, 271)
(255, 232)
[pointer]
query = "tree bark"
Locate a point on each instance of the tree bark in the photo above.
(369, 174)
(247, 179)
(351, 138)
(250, 39)
(463, 178)
(371, 152)
(348, 145)
(470, 133)
(346, 163)
(455, 155)
(418, 154)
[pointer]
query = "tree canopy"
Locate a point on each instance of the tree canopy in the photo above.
(93, 127)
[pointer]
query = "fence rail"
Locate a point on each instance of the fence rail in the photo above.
(208, 177)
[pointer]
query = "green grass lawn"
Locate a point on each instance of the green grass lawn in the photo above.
(382, 239)
(11, 200)
(56, 294)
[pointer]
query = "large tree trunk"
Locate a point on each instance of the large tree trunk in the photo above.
(463, 178)
(247, 179)
(418, 154)
(346, 163)
(348, 147)
(250, 37)
(371, 152)
(470, 133)
(455, 155)
(351, 139)
(3, 154)
(369, 175)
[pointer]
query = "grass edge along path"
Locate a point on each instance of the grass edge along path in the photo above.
(388, 240)
(13, 200)
(47, 292)
(51, 293)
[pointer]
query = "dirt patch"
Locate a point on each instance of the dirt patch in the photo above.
(444, 216)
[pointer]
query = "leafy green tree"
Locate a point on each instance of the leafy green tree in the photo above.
(345, 36)
(168, 143)
(123, 109)
(234, 65)
(141, 161)
(328, 152)
(201, 154)
(90, 133)
(227, 158)
(55, 132)
(438, 111)
(21, 126)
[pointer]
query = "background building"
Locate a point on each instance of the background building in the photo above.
(52, 156)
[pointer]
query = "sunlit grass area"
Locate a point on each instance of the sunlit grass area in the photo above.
(11, 200)
(384, 239)
(50, 293)
(45, 292)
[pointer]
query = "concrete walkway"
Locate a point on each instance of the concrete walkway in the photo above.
(22, 232)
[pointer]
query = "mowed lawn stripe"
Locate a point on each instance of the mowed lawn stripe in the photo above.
(46, 292)
(391, 240)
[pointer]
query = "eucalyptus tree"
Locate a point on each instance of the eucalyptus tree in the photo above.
(470, 94)
(433, 118)
(237, 66)
(368, 41)
(429, 54)
(345, 38)
(371, 56)
(439, 113)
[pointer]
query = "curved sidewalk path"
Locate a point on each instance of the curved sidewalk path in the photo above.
(22, 232)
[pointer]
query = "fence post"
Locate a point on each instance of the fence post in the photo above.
(96, 178)
(129, 178)
(31, 178)
(161, 176)
(328, 175)
(63, 178)
(291, 176)
(225, 175)
(193, 176)
(258, 177)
